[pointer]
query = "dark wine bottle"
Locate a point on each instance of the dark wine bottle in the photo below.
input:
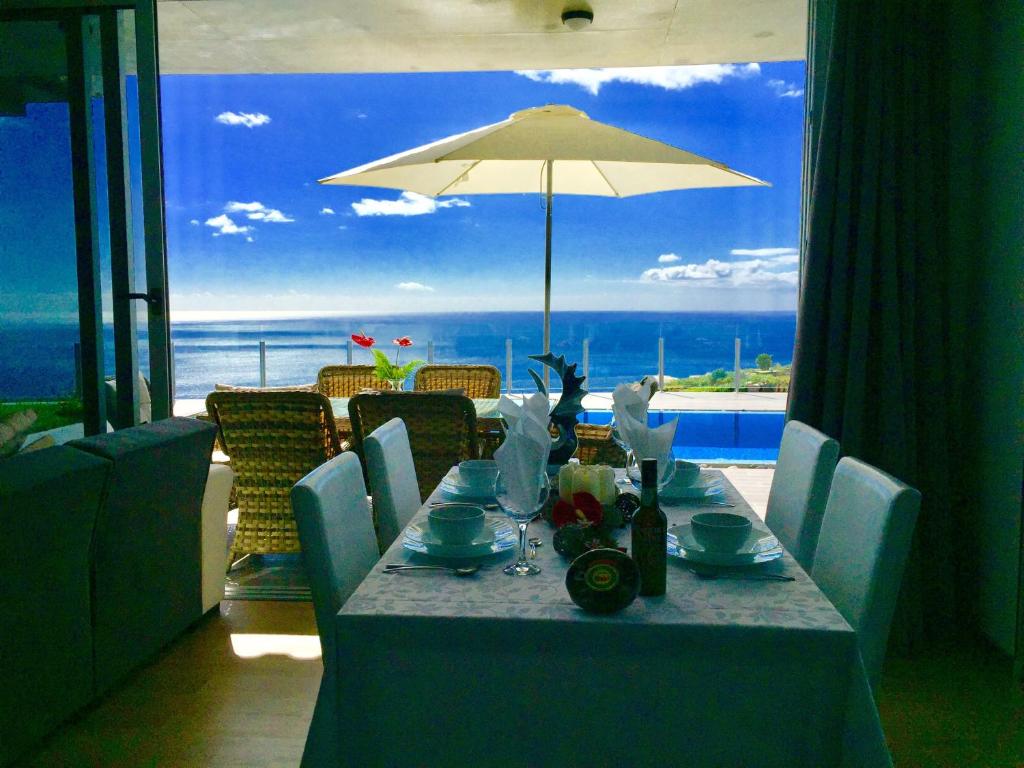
(650, 530)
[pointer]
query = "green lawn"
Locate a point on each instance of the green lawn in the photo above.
(51, 413)
(775, 379)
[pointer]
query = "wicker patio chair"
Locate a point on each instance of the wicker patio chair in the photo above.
(476, 381)
(442, 428)
(597, 447)
(346, 380)
(274, 439)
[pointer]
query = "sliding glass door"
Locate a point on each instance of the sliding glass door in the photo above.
(83, 310)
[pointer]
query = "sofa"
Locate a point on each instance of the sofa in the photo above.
(104, 566)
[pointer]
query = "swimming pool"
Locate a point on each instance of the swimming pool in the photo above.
(740, 436)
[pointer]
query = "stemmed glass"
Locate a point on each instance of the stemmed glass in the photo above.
(666, 469)
(521, 515)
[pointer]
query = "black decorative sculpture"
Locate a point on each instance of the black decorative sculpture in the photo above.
(568, 407)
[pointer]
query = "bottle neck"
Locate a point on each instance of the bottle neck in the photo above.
(649, 496)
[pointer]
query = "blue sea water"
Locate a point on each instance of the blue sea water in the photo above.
(36, 360)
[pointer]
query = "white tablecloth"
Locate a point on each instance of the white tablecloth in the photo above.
(501, 671)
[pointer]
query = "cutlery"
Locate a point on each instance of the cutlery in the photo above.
(712, 503)
(468, 570)
(711, 575)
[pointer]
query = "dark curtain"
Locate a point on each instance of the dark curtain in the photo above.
(880, 334)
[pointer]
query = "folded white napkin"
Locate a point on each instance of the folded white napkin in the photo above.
(522, 457)
(630, 409)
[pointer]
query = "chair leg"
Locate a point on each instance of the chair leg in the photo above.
(232, 562)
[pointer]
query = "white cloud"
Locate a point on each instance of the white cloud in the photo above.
(248, 119)
(785, 90)
(414, 287)
(248, 239)
(409, 204)
(194, 222)
(256, 211)
(225, 226)
(668, 258)
(327, 211)
(759, 272)
(669, 78)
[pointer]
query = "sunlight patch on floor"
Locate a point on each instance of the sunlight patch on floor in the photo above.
(253, 646)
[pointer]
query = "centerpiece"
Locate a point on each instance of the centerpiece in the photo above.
(390, 373)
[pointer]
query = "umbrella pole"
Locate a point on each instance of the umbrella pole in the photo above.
(547, 276)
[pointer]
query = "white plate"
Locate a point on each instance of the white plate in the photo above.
(761, 546)
(452, 485)
(498, 536)
(704, 486)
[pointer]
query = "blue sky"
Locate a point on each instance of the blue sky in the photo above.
(250, 229)
(232, 142)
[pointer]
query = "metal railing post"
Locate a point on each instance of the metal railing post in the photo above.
(736, 368)
(430, 353)
(586, 358)
(348, 355)
(661, 364)
(263, 363)
(508, 366)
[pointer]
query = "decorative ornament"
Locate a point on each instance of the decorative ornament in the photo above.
(569, 405)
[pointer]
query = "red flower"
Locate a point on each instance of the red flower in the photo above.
(404, 341)
(585, 508)
(362, 339)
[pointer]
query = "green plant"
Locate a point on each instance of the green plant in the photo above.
(719, 374)
(393, 372)
(764, 361)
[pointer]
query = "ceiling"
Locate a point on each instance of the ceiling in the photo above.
(254, 36)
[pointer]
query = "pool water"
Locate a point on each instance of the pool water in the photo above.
(739, 436)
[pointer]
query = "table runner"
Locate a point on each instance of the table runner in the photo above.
(496, 670)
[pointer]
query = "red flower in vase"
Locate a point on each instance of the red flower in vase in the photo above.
(403, 341)
(584, 508)
(362, 339)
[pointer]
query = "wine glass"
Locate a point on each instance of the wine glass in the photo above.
(666, 469)
(521, 515)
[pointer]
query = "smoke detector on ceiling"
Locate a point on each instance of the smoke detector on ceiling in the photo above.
(577, 20)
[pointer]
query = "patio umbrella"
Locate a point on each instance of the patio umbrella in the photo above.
(554, 149)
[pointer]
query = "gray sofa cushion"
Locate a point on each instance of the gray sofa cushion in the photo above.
(147, 556)
(48, 505)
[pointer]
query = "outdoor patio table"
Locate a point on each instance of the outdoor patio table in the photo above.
(496, 670)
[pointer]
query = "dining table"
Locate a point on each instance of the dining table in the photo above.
(432, 669)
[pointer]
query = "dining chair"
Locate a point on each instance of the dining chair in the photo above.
(273, 440)
(396, 495)
(862, 550)
(796, 501)
(441, 427)
(595, 446)
(338, 549)
(346, 380)
(475, 381)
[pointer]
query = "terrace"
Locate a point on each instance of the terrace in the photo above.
(128, 685)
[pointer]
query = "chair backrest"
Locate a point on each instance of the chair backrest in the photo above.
(346, 380)
(441, 428)
(803, 475)
(392, 473)
(338, 544)
(480, 381)
(273, 439)
(595, 446)
(862, 550)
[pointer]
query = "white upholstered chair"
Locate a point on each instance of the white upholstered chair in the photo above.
(862, 550)
(796, 502)
(396, 493)
(338, 549)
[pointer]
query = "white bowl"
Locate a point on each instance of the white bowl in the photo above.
(478, 474)
(720, 531)
(456, 523)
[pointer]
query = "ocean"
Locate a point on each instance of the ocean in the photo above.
(37, 360)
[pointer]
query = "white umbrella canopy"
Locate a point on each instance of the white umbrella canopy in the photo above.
(555, 149)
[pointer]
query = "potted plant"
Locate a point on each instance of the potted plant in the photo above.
(391, 373)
